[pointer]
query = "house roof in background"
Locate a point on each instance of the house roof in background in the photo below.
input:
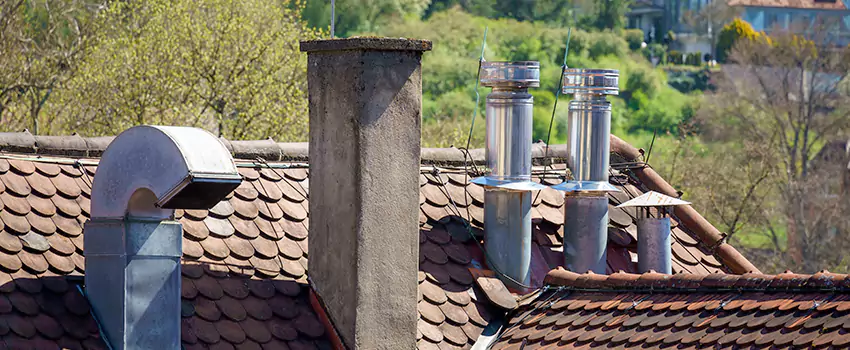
(245, 260)
(684, 311)
(797, 4)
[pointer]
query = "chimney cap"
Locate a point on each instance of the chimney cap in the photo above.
(653, 199)
(591, 81)
(365, 44)
(517, 74)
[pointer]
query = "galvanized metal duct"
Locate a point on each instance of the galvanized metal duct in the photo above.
(654, 245)
(133, 243)
(508, 185)
(586, 202)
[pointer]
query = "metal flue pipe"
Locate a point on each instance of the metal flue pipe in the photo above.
(654, 245)
(586, 202)
(508, 184)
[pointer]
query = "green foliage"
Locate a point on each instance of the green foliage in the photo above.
(634, 37)
(229, 66)
(730, 34)
(611, 14)
(663, 113)
(449, 74)
(361, 15)
(40, 45)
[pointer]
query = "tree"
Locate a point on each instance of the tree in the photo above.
(40, 46)
(733, 32)
(787, 97)
(611, 14)
(710, 19)
(230, 66)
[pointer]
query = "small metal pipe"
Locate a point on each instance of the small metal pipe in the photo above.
(586, 233)
(507, 185)
(654, 251)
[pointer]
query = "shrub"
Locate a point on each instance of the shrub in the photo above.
(634, 37)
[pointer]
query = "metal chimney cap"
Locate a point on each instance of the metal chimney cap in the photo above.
(519, 74)
(586, 187)
(591, 81)
(653, 199)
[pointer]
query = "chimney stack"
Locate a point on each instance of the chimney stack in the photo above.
(654, 232)
(588, 147)
(365, 118)
(132, 243)
(508, 185)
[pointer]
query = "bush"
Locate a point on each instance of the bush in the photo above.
(634, 37)
(606, 43)
(732, 33)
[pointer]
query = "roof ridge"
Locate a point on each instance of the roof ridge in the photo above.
(786, 281)
(269, 150)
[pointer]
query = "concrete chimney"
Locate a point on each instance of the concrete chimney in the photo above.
(508, 185)
(588, 148)
(654, 245)
(132, 243)
(365, 119)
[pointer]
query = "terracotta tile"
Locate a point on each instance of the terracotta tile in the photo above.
(41, 185)
(267, 190)
(309, 325)
(257, 308)
(256, 331)
(294, 230)
(16, 184)
(496, 292)
(282, 330)
(215, 247)
(67, 226)
(270, 210)
(293, 191)
(292, 210)
(35, 263)
(69, 207)
(59, 263)
(230, 331)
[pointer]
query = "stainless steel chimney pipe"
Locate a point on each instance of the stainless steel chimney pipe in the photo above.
(508, 185)
(654, 245)
(586, 202)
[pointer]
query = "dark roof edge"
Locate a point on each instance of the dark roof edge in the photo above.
(267, 150)
(657, 282)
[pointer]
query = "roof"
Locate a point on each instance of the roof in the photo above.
(797, 4)
(245, 260)
(684, 311)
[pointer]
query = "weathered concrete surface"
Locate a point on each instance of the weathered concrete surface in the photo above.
(365, 120)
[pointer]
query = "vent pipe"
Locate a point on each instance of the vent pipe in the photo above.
(133, 243)
(507, 183)
(588, 147)
(654, 232)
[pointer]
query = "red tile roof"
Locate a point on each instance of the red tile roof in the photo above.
(245, 260)
(684, 311)
(799, 4)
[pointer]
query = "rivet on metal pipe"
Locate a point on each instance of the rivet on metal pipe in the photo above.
(654, 252)
(508, 184)
(586, 202)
